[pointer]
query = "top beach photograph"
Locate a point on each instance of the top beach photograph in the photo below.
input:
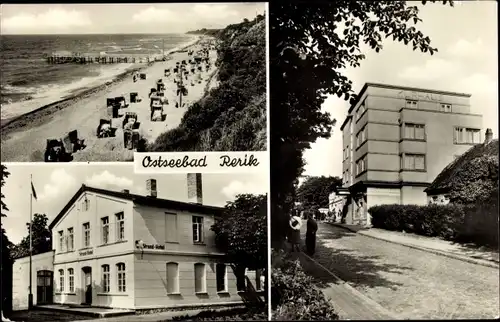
(98, 82)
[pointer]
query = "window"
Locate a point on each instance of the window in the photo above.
(86, 234)
(197, 229)
(170, 227)
(120, 268)
(85, 204)
(446, 108)
(71, 239)
(361, 137)
(120, 226)
(411, 104)
(61, 280)
(105, 229)
(413, 162)
(61, 240)
(199, 278)
(221, 272)
(105, 278)
(360, 166)
(414, 131)
(466, 136)
(71, 278)
(241, 280)
(360, 111)
(173, 278)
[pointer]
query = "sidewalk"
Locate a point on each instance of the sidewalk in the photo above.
(434, 245)
(347, 301)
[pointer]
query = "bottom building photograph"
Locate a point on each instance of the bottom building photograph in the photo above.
(107, 242)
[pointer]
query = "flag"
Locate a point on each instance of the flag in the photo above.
(33, 190)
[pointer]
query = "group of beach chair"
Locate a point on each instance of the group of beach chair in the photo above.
(61, 150)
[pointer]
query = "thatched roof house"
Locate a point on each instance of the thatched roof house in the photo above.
(470, 176)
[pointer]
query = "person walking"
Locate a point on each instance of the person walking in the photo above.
(312, 228)
(295, 224)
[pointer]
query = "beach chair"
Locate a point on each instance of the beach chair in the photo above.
(133, 97)
(142, 76)
(121, 101)
(104, 129)
(110, 101)
(129, 120)
(55, 151)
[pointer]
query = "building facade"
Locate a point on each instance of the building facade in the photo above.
(396, 140)
(120, 250)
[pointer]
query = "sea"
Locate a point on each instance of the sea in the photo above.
(28, 81)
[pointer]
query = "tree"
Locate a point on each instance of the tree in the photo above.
(307, 56)
(41, 238)
(241, 232)
(314, 191)
(6, 245)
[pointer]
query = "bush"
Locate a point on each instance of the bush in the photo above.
(476, 223)
(481, 222)
(292, 295)
(236, 314)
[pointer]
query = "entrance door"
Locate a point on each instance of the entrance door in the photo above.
(87, 282)
(44, 287)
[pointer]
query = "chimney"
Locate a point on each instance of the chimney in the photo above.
(195, 192)
(488, 136)
(126, 191)
(151, 188)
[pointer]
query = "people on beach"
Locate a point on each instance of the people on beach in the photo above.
(312, 228)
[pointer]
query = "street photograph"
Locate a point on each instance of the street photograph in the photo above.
(384, 160)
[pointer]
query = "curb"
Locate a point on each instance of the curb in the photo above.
(429, 250)
(374, 304)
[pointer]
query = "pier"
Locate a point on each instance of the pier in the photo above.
(56, 59)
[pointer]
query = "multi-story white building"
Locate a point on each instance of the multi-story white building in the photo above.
(122, 250)
(396, 140)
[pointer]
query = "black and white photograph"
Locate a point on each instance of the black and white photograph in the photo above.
(384, 160)
(96, 82)
(110, 245)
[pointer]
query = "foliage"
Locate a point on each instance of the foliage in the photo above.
(476, 223)
(292, 295)
(311, 45)
(6, 246)
(314, 191)
(481, 221)
(232, 116)
(241, 232)
(236, 314)
(41, 238)
(205, 31)
(5, 175)
(471, 177)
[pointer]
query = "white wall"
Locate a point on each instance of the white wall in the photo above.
(20, 278)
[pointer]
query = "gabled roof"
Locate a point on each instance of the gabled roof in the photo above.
(443, 181)
(140, 200)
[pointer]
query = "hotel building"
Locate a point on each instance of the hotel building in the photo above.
(122, 250)
(396, 140)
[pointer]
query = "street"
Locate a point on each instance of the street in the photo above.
(411, 283)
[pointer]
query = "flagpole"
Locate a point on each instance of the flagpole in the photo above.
(30, 296)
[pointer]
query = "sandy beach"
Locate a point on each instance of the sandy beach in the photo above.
(24, 139)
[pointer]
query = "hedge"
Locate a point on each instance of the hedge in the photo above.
(476, 223)
(293, 296)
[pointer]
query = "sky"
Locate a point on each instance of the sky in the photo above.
(122, 18)
(467, 62)
(55, 184)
